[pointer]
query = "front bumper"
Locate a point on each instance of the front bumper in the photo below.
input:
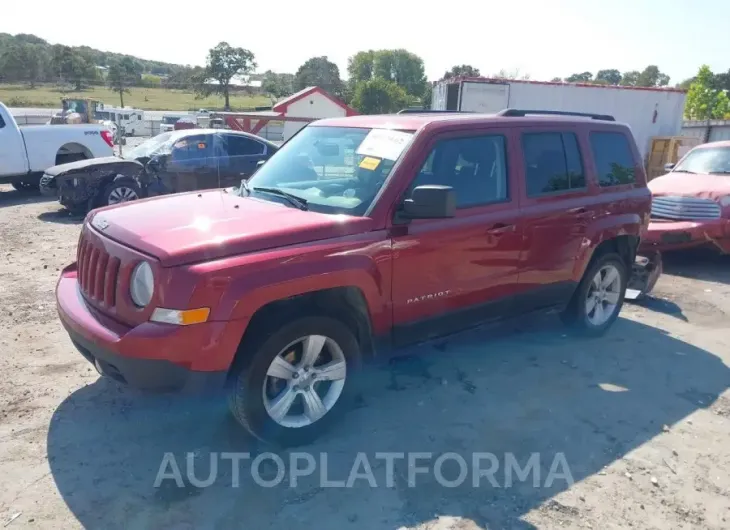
(676, 235)
(150, 356)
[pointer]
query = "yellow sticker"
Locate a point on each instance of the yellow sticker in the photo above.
(370, 163)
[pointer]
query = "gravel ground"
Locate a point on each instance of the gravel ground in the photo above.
(642, 417)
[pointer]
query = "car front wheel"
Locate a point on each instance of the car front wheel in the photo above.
(119, 191)
(297, 382)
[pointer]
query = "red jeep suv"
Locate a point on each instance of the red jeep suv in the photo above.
(359, 233)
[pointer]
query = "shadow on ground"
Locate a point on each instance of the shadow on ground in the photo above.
(700, 264)
(12, 197)
(62, 216)
(661, 305)
(532, 391)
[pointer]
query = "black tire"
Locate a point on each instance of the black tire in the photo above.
(576, 316)
(24, 186)
(119, 185)
(246, 384)
(68, 158)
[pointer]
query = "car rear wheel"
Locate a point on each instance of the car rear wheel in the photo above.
(599, 297)
(297, 382)
(119, 191)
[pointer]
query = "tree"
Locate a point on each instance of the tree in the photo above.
(278, 85)
(721, 81)
(630, 78)
(511, 74)
(427, 97)
(703, 101)
(379, 96)
(684, 85)
(321, 72)
(556, 80)
(122, 74)
(399, 66)
(224, 63)
(651, 76)
(585, 77)
(360, 66)
(463, 70)
(608, 77)
(402, 67)
(24, 62)
(72, 66)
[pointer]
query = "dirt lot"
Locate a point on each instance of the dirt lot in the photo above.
(641, 415)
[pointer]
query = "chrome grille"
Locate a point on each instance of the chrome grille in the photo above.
(684, 208)
(97, 273)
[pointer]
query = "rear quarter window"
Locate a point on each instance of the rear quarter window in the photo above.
(614, 159)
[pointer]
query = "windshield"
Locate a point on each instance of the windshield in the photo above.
(334, 169)
(706, 160)
(154, 146)
(170, 120)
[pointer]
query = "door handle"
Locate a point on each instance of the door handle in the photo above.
(501, 228)
(581, 212)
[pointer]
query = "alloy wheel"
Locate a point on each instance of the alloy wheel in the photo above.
(304, 381)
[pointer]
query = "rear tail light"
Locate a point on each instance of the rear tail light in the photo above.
(107, 135)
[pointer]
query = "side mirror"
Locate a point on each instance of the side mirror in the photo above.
(430, 202)
(668, 167)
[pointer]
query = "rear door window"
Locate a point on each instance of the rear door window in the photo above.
(242, 146)
(614, 160)
(552, 163)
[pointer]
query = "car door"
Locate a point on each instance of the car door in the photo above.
(556, 210)
(244, 154)
(449, 274)
(190, 165)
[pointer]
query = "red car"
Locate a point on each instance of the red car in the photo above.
(691, 203)
(358, 235)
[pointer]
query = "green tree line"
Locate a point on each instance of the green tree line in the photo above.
(378, 81)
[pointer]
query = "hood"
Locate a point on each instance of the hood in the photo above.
(698, 185)
(85, 165)
(192, 227)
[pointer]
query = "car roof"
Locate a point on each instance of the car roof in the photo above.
(719, 143)
(183, 133)
(446, 120)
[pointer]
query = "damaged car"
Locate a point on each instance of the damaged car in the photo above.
(172, 162)
(691, 203)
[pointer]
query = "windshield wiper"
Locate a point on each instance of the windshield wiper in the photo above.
(723, 172)
(684, 171)
(298, 202)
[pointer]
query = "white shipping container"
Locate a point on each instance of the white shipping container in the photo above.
(648, 111)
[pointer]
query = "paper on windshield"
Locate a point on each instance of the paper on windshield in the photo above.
(370, 163)
(384, 143)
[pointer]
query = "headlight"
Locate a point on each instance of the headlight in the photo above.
(142, 285)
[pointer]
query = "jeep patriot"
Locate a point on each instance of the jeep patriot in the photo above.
(359, 233)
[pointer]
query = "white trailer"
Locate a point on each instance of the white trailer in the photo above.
(648, 111)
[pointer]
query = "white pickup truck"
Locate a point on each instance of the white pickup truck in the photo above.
(25, 153)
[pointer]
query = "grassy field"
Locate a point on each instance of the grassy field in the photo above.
(141, 98)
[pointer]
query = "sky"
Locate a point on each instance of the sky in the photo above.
(542, 39)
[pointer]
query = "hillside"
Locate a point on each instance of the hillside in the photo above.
(96, 57)
(138, 97)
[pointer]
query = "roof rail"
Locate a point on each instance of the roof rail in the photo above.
(511, 113)
(429, 111)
